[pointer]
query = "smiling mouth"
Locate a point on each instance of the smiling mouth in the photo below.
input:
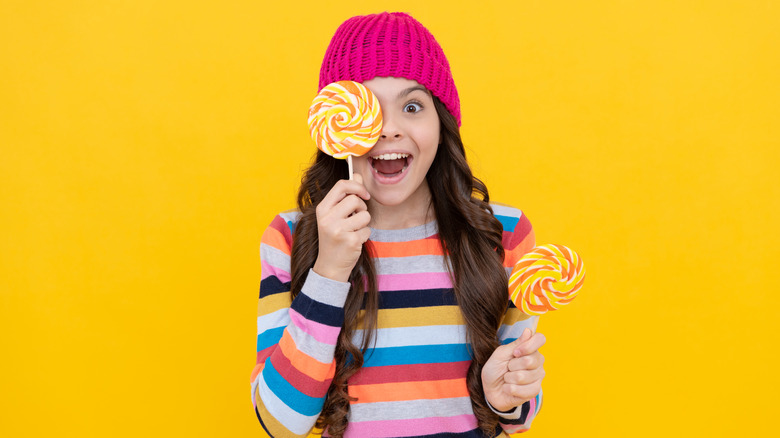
(390, 165)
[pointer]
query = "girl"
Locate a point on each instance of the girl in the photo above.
(383, 305)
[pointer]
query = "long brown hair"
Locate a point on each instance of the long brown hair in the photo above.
(471, 239)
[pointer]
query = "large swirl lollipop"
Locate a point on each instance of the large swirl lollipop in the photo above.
(547, 277)
(345, 120)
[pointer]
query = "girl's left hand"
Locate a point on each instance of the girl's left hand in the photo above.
(513, 374)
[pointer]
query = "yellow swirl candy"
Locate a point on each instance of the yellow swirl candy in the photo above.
(547, 277)
(345, 119)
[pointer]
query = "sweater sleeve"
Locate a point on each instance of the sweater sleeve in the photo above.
(295, 339)
(518, 239)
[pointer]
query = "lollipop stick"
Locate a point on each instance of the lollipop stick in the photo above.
(349, 164)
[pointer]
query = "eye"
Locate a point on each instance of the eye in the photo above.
(412, 107)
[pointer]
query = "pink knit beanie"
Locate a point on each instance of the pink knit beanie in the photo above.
(389, 44)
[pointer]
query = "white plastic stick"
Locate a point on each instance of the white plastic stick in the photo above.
(349, 164)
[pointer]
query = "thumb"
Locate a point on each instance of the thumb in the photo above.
(527, 334)
(506, 352)
(358, 178)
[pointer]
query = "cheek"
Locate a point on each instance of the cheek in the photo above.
(427, 157)
(431, 136)
(359, 163)
(429, 144)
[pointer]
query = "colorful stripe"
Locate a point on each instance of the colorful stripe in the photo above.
(418, 426)
(410, 373)
(429, 280)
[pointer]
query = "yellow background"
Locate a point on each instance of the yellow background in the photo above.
(145, 145)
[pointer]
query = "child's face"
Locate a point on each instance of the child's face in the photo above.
(410, 130)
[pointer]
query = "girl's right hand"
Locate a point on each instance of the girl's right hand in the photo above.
(342, 226)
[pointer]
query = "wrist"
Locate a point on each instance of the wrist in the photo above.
(512, 413)
(330, 273)
(325, 290)
(499, 409)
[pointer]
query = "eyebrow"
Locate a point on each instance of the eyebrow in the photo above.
(409, 90)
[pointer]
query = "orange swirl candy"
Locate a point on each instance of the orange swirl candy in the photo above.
(345, 119)
(547, 277)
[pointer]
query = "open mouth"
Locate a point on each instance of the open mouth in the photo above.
(390, 165)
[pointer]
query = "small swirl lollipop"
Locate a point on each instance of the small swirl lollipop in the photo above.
(547, 277)
(345, 120)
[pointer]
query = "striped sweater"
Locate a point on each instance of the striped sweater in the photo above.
(413, 381)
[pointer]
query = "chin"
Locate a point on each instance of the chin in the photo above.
(388, 200)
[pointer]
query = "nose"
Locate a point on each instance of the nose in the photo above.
(390, 129)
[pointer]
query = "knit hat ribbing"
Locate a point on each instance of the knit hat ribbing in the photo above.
(389, 44)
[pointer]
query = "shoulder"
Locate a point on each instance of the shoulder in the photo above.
(518, 237)
(512, 219)
(279, 232)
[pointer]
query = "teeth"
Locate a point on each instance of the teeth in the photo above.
(390, 156)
